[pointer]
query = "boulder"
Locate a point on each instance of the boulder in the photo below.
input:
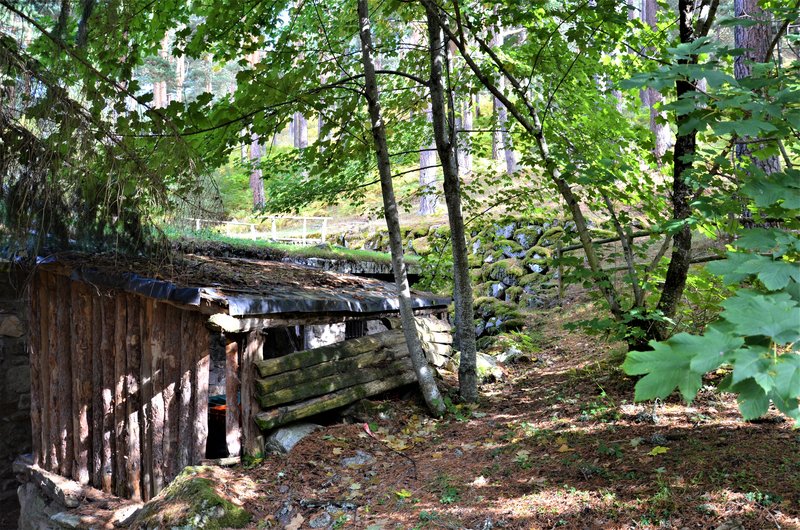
(195, 499)
(283, 439)
(488, 368)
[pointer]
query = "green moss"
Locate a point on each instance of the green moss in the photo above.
(538, 250)
(529, 279)
(513, 294)
(505, 268)
(442, 232)
(421, 245)
(553, 231)
(474, 261)
(190, 501)
(529, 235)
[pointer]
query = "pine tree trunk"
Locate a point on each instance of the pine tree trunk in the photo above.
(423, 370)
(651, 97)
(465, 320)
(755, 40)
(427, 175)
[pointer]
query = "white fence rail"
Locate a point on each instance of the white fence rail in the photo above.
(293, 230)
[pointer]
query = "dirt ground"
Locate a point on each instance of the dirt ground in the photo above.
(557, 443)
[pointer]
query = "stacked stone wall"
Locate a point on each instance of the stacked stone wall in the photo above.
(15, 386)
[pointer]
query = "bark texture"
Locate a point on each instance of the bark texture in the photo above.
(427, 175)
(423, 371)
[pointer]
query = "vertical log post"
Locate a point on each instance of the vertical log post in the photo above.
(133, 349)
(202, 361)
(185, 404)
(81, 379)
(98, 391)
(157, 342)
(120, 395)
(171, 369)
(146, 431)
(252, 440)
(44, 286)
(34, 352)
(63, 399)
(107, 353)
(233, 418)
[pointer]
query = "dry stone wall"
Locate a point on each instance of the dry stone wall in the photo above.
(15, 386)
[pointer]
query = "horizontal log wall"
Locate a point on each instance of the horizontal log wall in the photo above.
(121, 386)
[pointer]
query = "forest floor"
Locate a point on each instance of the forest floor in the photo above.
(557, 443)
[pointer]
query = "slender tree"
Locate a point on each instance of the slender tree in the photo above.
(423, 370)
(427, 173)
(445, 137)
(652, 97)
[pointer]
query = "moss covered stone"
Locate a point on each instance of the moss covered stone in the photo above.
(421, 245)
(507, 271)
(538, 252)
(193, 500)
(527, 237)
(513, 294)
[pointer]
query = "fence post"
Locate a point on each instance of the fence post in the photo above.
(305, 229)
(274, 230)
(197, 225)
(324, 231)
(253, 232)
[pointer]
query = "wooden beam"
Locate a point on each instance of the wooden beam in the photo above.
(229, 324)
(315, 386)
(146, 429)
(233, 416)
(283, 415)
(252, 440)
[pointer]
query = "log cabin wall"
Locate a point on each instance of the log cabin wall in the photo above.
(119, 386)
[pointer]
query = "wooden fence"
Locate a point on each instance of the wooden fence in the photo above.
(119, 396)
(253, 231)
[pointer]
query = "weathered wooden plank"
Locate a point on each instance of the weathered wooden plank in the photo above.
(186, 407)
(63, 400)
(233, 415)
(267, 385)
(35, 353)
(46, 320)
(280, 416)
(120, 393)
(171, 368)
(107, 354)
(97, 390)
(146, 388)
(332, 352)
(252, 440)
(157, 341)
(317, 387)
(202, 362)
(133, 356)
(81, 379)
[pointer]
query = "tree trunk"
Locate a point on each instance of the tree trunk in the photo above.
(464, 122)
(423, 371)
(683, 154)
(300, 126)
(651, 97)
(256, 180)
(180, 77)
(444, 136)
(427, 175)
(755, 40)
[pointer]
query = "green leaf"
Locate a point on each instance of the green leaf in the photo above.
(775, 315)
(712, 349)
(753, 401)
(749, 362)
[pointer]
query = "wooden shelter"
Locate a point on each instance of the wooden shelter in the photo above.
(123, 352)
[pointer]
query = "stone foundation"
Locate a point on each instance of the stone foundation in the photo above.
(15, 385)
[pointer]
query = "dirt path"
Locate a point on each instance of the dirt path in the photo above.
(557, 444)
